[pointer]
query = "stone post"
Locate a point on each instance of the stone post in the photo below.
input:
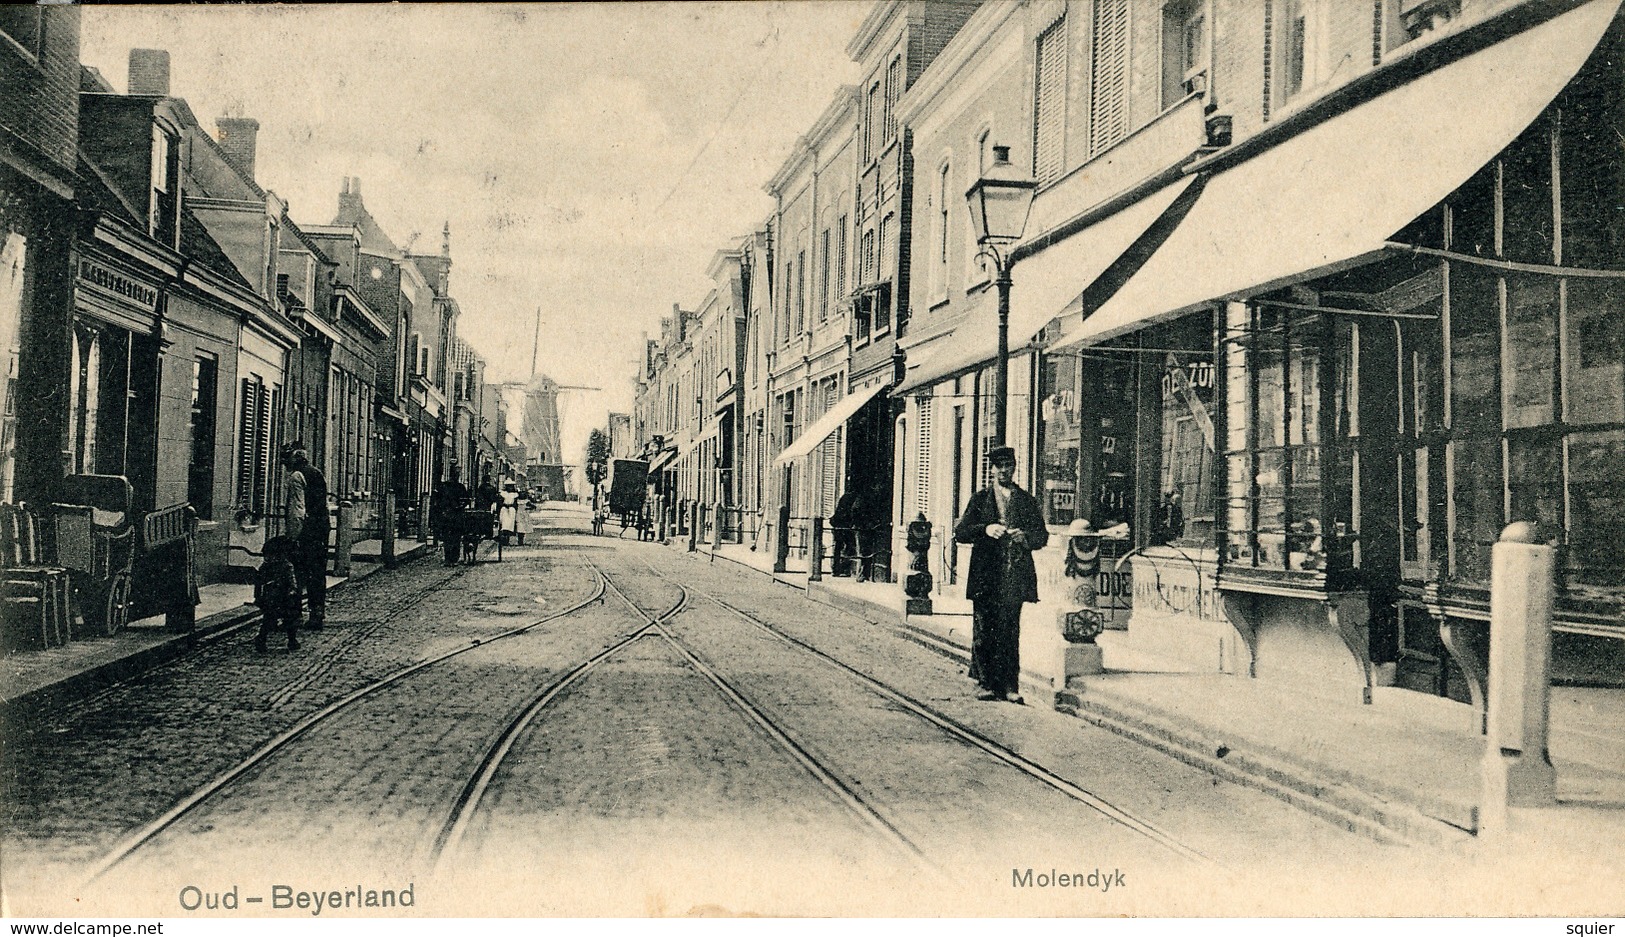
(1079, 618)
(1517, 767)
(693, 525)
(716, 526)
(815, 552)
(781, 541)
(344, 539)
(386, 531)
(917, 584)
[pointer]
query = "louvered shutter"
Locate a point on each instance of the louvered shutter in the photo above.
(1049, 103)
(831, 454)
(1108, 100)
(922, 460)
(247, 435)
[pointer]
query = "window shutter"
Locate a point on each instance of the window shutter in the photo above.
(248, 423)
(1049, 103)
(1108, 100)
(831, 453)
(922, 461)
(412, 343)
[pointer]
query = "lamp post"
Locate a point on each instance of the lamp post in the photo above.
(999, 204)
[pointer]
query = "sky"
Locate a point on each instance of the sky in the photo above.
(590, 158)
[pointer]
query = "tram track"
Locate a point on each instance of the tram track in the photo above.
(451, 838)
(966, 735)
(150, 831)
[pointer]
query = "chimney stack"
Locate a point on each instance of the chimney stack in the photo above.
(149, 72)
(238, 137)
(350, 207)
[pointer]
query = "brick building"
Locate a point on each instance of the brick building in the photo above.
(1313, 299)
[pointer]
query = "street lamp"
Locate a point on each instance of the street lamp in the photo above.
(999, 204)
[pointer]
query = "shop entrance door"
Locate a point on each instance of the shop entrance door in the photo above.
(1391, 385)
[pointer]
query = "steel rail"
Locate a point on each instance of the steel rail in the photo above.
(844, 792)
(450, 838)
(147, 832)
(971, 737)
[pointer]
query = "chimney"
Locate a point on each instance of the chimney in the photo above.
(238, 136)
(149, 72)
(350, 207)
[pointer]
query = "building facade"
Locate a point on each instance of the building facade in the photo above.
(1309, 399)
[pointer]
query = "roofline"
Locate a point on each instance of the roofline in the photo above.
(880, 15)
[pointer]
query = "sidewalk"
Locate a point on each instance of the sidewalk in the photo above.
(37, 680)
(1406, 767)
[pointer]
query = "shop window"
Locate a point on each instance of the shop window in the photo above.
(200, 468)
(1060, 439)
(1185, 509)
(1278, 518)
(13, 264)
(84, 393)
(1526, 198)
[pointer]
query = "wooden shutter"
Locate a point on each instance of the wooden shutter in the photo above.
(1108, 98)
(1049, 103)
(922, 460)
(831, 454)
(247, 445)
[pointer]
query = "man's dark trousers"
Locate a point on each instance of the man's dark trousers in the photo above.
(310, 566)
(996, 657)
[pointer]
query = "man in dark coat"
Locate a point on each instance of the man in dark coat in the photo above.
(1003, 525)
(846, 536)
(446, 503)
(308, 526)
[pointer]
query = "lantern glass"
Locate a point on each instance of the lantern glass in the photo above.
(1001, 200)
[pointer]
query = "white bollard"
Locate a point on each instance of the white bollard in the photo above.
(1517, 767)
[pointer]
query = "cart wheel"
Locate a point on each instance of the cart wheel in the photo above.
(117, 607)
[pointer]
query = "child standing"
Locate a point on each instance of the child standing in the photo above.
(276, 592)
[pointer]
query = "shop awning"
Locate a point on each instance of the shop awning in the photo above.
(662, 460)
(1334, 194)
(1045, 285)
(832, 420)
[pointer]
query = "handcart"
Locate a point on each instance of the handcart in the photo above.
(95, 541)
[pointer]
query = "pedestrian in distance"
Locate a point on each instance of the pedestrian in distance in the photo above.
(276, 592)
(515, 520)
(487, 496)
(846, 536)
(871, 515)
(446, 505)
(305, 491)
(1003, 525)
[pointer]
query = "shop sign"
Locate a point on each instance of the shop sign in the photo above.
(118, 284)
(1177, 585)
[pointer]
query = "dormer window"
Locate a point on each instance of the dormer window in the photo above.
(163, 209)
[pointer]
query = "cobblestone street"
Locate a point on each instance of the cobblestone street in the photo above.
(665, 735)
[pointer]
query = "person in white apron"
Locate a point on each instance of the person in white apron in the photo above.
(512, 518)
